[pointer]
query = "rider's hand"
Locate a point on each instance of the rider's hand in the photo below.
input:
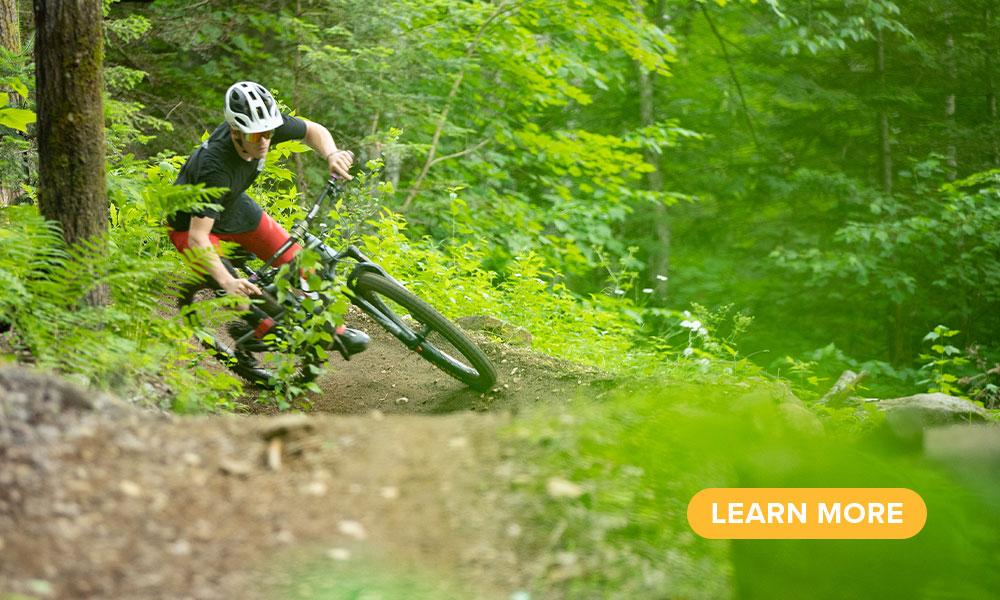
(240, 287)
(339, 162)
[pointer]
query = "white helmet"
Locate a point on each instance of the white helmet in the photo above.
(251, 108)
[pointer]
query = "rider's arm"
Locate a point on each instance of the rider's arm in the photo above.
(319, 139)
(199, 241)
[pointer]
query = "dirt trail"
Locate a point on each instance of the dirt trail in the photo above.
(101, 500)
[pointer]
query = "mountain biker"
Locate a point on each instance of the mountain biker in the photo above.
(232, 158)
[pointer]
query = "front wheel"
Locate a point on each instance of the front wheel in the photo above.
(424, 330)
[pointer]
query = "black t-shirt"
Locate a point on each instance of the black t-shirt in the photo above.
(217, 164)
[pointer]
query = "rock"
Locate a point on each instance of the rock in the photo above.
(908, 418)
(513, 530)
(965, 444)
(41, 407)
(561, 488)
(508, 332)
(238, 468)
(339, 554)
(389, 492)
(800, 418)
(353, 529)
(130, 488)
(49, 390)
(931, 409)
(772, 395)
(40, 587)
(286, 424)
(314, 488)
(180, 548)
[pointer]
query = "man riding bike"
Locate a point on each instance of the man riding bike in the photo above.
(232, 158)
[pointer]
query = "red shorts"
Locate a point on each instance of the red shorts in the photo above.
(263, 241)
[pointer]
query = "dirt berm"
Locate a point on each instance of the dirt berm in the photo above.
(398, 472)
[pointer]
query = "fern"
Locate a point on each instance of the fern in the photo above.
(137, 337)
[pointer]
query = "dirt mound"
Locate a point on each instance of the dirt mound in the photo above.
(389, 378)
(101, 500)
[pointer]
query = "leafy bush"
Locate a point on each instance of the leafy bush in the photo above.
(131, 341)
(606, 485)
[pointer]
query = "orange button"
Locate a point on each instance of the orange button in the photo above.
(807, 513)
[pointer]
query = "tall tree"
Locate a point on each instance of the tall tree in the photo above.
(69, 57)
(660, 259)
(10, 39)
(10, 30)
(991, 92)
(884, 131)
(951, 153)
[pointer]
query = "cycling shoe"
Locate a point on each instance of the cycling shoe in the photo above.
(351, 341)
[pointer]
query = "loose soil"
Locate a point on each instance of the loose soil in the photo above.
(397, 471)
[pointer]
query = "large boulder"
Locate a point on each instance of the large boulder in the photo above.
(976, 445)
(909, 417)
(932, 409)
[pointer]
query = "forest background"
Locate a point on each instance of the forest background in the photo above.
(728, 196)
(817, 177)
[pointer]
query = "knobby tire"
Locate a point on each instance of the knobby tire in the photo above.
(478, 374)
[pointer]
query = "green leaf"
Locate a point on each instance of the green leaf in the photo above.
(17, 118)
(18, 86)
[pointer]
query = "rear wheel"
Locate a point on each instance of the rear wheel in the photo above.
(425, 331)
(259, 363)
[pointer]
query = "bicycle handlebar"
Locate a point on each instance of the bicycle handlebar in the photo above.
(300, 228)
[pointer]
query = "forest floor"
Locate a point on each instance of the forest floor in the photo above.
(398, 475)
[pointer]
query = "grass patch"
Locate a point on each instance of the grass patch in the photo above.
(607, 484)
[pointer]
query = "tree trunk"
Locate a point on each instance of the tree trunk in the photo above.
(995, 126)
(300, 171)
(10, 29)
(991, 92)
(883, 120)
(659, 262)
(951, 154)
(896, 323)
(10, 38)
(69, 55)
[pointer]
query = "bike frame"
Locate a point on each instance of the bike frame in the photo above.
(301, 235)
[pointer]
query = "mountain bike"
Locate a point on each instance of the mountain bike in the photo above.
(388, 303)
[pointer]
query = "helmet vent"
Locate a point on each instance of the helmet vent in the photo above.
(251, 108)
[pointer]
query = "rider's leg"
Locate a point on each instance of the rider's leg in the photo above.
(255, 318)
(266, 239)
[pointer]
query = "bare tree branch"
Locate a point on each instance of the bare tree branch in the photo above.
(468, 150)
(502, 9)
